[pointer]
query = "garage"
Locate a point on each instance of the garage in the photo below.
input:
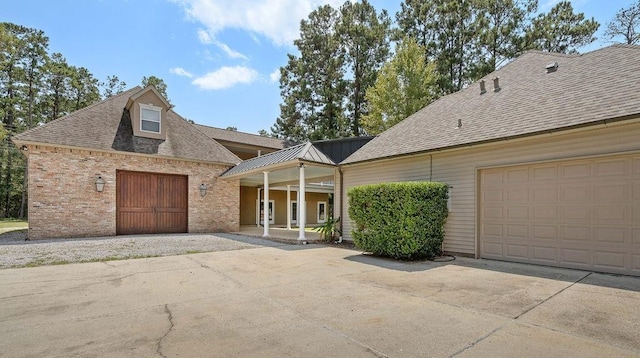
(150, 203)
(582, 213)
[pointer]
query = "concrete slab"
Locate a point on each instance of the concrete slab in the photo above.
(605, 308)
(313, 301)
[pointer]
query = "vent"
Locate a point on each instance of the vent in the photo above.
(459, 123)
(552, 67)
(483, 88)
(496, 84)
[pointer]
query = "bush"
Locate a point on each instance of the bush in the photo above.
(399, 220)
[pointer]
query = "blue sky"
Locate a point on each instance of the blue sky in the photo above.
(219, 58)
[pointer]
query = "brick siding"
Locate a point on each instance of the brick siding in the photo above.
(63, 202)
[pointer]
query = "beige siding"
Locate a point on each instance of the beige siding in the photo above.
(458, 168)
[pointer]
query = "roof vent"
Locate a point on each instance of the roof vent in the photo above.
(552, 67)
(496, 84)
(483, 88)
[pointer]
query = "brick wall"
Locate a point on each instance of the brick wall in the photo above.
(63, 201)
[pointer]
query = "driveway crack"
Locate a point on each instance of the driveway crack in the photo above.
(552, 296)
(171, 325)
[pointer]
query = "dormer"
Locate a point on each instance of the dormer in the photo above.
(148, 111)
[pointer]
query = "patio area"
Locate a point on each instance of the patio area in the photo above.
(280, 234)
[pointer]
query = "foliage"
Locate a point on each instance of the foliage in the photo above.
(626, 24)
(561, 30)
(158, 83)
(471, 38)
(35, 87)
(233, 129)
(404, 85)
(329, 228)
(399, 220)
(323, 88)
(112, 86)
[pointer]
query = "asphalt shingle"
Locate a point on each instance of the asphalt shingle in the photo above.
(107, 126)
(585, 89)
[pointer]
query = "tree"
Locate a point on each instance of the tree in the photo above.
(158, 83)
(112, 86)
(626, 24)
(405, 84)
(57, 87)
(83, 88)
(312, 85)
(365, 37)
(233, 129)
(323, 88)
(468, 39)
(561, 30)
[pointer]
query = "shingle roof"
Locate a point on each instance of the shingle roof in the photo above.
(241, 137)
(585, 89)
(107, 126)
(306, 152)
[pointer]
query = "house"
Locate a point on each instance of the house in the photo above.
(244, 145)
(127, 165)
(542, 158)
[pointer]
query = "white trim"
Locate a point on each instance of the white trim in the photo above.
(323, 218)
(294, 214)
(151, 107)
(272, 204)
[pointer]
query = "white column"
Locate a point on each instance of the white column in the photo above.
(302, 205)
(258, 210)
(288, 207)
(266, 204)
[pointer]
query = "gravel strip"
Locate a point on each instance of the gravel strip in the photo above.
(16, 252)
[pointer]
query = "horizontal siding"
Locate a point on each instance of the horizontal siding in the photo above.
(458, 168)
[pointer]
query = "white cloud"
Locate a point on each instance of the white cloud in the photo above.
(226, 77)
(230, 52)
(180, 72)
(275, 75)
(204, 37)
(278, 20)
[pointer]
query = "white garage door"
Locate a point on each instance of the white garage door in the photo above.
(581, 214)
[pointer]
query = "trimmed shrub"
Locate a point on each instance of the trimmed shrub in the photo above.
(399, 220)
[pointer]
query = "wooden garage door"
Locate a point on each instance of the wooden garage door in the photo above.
(581, 214)
(149, 203)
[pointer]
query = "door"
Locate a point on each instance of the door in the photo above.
(582, 214)
(272, 205)
(294, 212)
(150, 203)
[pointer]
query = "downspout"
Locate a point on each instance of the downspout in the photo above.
(342, 196)
(430, 167)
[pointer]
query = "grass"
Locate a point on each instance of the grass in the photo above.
(11, 224)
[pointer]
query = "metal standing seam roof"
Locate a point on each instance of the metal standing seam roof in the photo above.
(305, 152)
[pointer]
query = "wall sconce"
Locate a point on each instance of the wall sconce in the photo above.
(99, 184)
(203, 189)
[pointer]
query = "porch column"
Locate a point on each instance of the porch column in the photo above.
(266, 205)
(258, 210)
(288, 207)
(302, 205)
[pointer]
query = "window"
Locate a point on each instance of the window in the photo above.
(150, 118)
(322, 212)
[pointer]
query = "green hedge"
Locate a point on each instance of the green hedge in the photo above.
(399, 220)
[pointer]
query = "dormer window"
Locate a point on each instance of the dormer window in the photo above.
(150, 117)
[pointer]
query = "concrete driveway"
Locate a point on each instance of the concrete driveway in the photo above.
(316, 301)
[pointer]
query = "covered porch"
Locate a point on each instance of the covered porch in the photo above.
(298, 186)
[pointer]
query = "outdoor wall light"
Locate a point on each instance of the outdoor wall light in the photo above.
(99, 184)
(203, 189)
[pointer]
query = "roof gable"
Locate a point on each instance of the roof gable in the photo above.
(305, 152)
(107, 126)
(584, 90)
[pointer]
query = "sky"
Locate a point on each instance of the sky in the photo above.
(220, 59)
